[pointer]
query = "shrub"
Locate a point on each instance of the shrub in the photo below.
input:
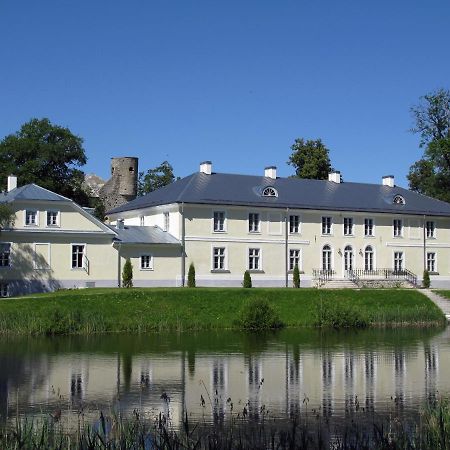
(191, 276)
(335, 314)
(258, 314)
(296, 277)
(247, 283)
(127, 274)
(426, 279)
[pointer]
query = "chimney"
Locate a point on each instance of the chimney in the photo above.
(12, 182)
(388, 180)
(120, 224)
(335, 176)
(206, 167)
(270, 172)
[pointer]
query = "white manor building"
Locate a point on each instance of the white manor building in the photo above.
(225, 224)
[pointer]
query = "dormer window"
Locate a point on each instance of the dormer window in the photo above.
(269, 192)
(398, 200)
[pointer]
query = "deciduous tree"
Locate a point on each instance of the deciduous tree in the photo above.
(155, 178)
(45, 154)
(6, 216)
(310, 159)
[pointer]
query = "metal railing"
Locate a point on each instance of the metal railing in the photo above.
(358, 275)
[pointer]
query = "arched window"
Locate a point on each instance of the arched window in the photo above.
(326, 258)
(398, 200)
(368, 258)
(269, 192)
(348, 258)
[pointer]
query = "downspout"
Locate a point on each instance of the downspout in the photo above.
(183, 244)
(286, 238)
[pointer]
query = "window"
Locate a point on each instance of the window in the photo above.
(398, 200)
(141, 221)
(431, 262)
(348, 258)
(254, 259)
(5, 254)
(368, 227)
(219, 221)
(368, 258)
(326, 225)
(253, 223)
(78, 256)
(430, 229)
(218, 258)
(294, 259)
(348, 226)
(398, 228)
(270, 192)
(30, 217)
(294, 224)
(52, 218)
(398, 261)
(166, 221)
(326, 257)
(4, 290)
(146, 262)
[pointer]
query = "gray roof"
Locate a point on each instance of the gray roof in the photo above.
(32, 192)
(131, 234)
(294, 193)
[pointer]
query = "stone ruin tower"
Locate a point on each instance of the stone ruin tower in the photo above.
(122, 186)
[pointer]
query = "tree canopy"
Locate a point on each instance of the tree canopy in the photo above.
(155, 178)
(45, 154)
(7, 216)
(310, 159)
(431, 174)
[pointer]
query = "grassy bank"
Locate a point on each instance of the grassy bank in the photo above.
(444, 293)
(142, 310)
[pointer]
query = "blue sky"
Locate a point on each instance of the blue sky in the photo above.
(231, 81)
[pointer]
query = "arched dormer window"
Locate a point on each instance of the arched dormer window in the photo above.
(269, 191)
(398, 200)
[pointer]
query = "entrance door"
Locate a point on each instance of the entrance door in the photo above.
(348, 260)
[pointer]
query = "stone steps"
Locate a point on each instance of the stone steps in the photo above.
(339, 284)
(439, 301)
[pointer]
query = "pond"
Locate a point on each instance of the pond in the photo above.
(334, 375)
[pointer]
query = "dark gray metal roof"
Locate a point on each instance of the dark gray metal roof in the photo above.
(294, 193)
(131, 234)
(31, 192)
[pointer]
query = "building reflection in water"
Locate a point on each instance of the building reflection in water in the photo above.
(284, 379)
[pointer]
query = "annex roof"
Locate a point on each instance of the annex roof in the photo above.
(132, 234)
(294, 193)
(32, 192)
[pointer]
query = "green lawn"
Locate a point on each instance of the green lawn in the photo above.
(88, 311)
(444, 293)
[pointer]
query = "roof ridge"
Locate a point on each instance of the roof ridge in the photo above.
(192, 175)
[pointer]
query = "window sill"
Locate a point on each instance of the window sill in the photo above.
(220, 232)
(327, 235)
(52, 226)
(349, 235)
(255, 271)
(370, 236)
(220, 271)
(254, 232)
(146, 270)
(433, 273)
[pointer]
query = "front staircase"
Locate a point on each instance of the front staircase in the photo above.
(339, 284)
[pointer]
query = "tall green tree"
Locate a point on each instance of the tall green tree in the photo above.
(431, 174)
(310, 159)
(7, 216)
(155, 178)
(46, 154)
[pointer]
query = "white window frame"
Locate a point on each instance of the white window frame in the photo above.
(330, 233)
(395, 229)
(299, 250)
(141, 221)
(331, 256)
(258, 230)
(431, 235)
(10, 254)
(36, 218)
(434, 262)
(373, 227)
(58, 215)
(225, 258)
(403, 259)
(150, 267)
(217, 211)
(166, 221)
(260, 266)
(352, 228)
(4, 289)
(299, 224)
(374, 261)
(83, 267)
(35, 267)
